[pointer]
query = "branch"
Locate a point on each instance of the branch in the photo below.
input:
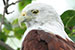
(13, 3)
(5, 45)
(4, 2)
(6, 5)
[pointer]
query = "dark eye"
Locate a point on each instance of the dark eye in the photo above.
(35, 11)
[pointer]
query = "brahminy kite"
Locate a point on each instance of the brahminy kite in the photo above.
(45, 29)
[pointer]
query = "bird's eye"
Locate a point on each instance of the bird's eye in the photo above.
(35, 11)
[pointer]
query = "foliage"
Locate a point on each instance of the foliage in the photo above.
(3, 36)
(18, 31)
(0, 17)
(23, 3)
(68, 18)
(2, 48)
(8, 27)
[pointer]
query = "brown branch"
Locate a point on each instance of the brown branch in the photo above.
(5, 45)
(6, 5)
(13, 3)
(4, 2)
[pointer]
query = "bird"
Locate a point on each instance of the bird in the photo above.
(45, 29)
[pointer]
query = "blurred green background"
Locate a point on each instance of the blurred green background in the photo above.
(11, 30)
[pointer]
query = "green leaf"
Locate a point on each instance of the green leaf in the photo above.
(0, 17)
(72, 37)
(7, 25)
(23, 3)
(2, 48)
(68, 18)
(3, 36)
(68, 31)
(71, 22)
(73, 30)
(18, 48)
(6, 30)
(15, 22)
(18, 31)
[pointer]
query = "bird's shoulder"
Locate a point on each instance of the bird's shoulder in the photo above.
(41, 40)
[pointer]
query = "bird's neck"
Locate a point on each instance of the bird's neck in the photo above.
(52, 27)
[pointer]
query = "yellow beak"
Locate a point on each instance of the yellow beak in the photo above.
(21, 18)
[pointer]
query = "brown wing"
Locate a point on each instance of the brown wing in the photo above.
(41, 40)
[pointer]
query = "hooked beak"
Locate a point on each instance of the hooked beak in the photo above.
(22, 19)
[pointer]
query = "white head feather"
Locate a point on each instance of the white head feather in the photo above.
(46, 19)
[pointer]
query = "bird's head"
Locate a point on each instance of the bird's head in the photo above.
(38, 13)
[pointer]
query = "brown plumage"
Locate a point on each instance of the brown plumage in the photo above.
(41, 40)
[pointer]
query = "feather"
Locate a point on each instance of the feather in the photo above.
(41, 40)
